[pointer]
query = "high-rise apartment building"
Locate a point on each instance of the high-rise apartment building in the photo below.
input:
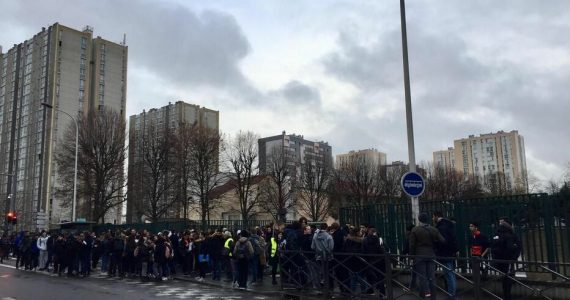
(159, 121)
(444, 159)
(296, 151)
(488, 155)
(71, 71)
(371, 156)
(295, 147)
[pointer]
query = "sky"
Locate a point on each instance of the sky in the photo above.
(332, 70)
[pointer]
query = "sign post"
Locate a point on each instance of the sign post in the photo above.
(408, 100)
(413, 185)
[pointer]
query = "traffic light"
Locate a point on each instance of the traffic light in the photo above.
(11, 218)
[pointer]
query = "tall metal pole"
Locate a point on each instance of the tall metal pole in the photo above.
(409, 123)
(74, 204)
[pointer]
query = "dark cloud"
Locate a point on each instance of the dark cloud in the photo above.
(457, 91)
(298, 93)
(177, 44)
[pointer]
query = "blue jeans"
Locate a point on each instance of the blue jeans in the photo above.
(450, 277)
(216, 269)
(104, 263)
(253, 266)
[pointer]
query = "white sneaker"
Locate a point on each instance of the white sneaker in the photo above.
(164, 278)
(200, 279)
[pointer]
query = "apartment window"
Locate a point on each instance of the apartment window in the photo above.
(83, 43)
(81, 84)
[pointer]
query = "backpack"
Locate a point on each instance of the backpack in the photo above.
(256, 245)
(242, 251)
(292, 240)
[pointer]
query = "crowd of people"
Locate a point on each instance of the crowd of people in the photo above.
(352, 254)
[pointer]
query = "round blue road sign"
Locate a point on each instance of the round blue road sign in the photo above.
(413, 184)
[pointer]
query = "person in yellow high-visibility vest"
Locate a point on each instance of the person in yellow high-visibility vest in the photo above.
(272, 253)
(228, 257)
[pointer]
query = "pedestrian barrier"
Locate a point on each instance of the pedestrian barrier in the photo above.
(392, 276)
(539, 220)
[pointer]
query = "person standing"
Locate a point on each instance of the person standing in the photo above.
(323, 245)
(478, 245)
(506, 246)
(423, 240)
(215, 248)
(447, 251)
(42, 246)
(243, 252)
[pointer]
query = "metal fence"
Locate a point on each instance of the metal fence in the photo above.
(538, 219)
(392, 276)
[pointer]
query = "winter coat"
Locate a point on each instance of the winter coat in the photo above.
(42, 243)
(323, 244)
(423, 240)
(447, 229)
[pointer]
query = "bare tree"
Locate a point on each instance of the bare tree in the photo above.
(389, 177)
(243, 161)
(204, 176)
(154, 172)
(496, 184)
(277, 193)
(360, 176)
(183, 146)
(313, 187)
(102, 155)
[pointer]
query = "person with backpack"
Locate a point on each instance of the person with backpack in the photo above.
(506, 246)
(243, 252)
(448, 250)
(323, 245)
(256, 244)
(423, 240)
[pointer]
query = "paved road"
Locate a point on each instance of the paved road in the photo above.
(27, 285)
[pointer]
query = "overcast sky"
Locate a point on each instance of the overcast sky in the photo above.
(332, 70)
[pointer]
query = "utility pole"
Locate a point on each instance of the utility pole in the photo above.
(409, 123)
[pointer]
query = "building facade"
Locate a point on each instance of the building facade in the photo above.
(71, 71)
(444, 159)
(370, 156)
(295, 147)
(160, 121)
(296, 152)
(493, 156)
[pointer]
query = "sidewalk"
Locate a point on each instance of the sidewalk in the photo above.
(264, 288)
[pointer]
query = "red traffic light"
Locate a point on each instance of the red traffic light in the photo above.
(10, 214)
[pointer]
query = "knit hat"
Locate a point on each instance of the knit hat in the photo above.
(423, 217)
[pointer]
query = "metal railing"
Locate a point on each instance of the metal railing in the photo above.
(390, 276)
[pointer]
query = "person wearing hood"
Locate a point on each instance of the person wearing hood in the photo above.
(323, 245)
(243, 251)
(423, 240)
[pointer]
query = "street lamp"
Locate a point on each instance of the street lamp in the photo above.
(76, 147)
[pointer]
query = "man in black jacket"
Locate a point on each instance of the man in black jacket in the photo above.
(506, 246)
(447, 249)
